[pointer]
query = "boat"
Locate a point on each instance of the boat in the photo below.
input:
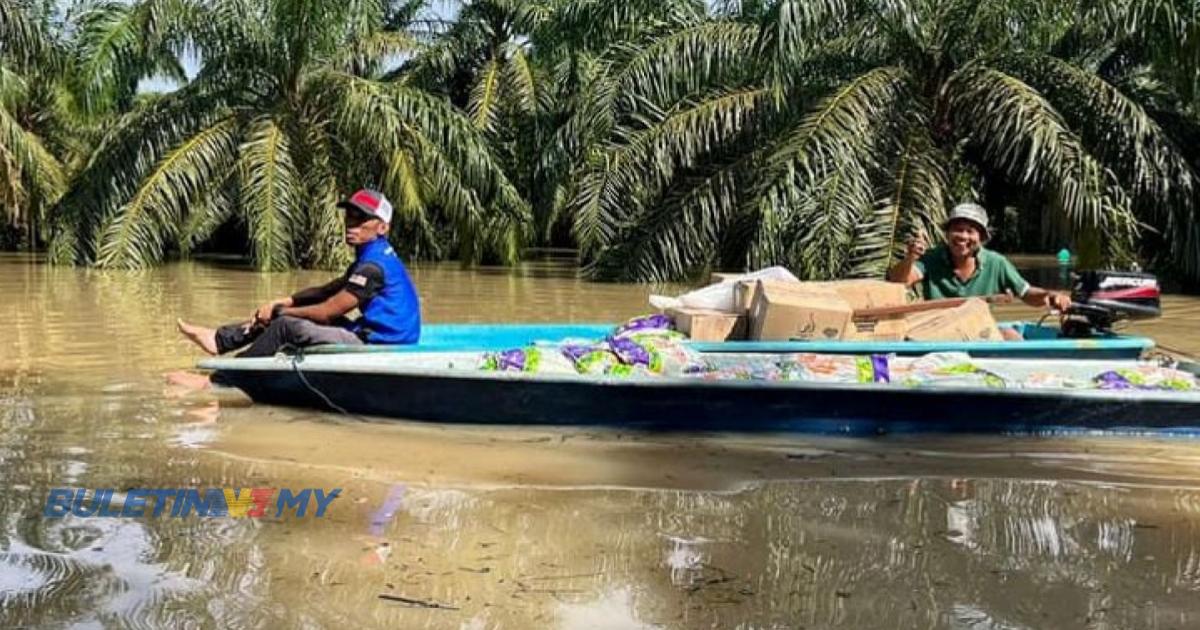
(1055, 378)
(449, 387)
(1086, 330)
(1039, 341)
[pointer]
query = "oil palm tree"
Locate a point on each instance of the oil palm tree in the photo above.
(515, 65)
(822, 136)
(578, 44)
(117, 45)
(483, 63)
(32, 175)
(1152, 54)
(283, 117)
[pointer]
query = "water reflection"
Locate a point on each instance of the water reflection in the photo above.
(543, 528)
(881, 554)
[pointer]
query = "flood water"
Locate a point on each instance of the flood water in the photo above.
(484, 527)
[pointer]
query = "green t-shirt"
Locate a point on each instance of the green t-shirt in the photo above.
(993, 274)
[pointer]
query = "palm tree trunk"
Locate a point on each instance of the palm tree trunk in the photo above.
(31, 234)
(1089, 249)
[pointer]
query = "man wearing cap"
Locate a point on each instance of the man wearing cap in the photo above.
(377, 284)
(962, 267)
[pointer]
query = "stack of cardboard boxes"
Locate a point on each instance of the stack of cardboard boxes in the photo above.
(852, 310)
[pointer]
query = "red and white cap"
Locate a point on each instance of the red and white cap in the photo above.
(371, 202)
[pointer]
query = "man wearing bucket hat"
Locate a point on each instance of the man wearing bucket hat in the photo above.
(376, 283)
(962, 267)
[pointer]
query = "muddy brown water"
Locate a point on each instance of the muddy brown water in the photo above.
(521, 528)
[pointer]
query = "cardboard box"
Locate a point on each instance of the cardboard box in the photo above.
(789, 310)
(745, 290)
(859, 294)
(706, 325)
(869, 293)
(918, 320)
(972, 321)
(877, 329)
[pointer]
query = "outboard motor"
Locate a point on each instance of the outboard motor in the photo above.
(1102, 298)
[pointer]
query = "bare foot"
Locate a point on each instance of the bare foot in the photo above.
(206, 338)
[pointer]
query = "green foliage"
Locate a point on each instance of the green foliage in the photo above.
(283, 95)
(877, 108)
(660, 137)
(34, 141)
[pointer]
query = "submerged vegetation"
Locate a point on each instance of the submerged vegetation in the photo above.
(659, 137)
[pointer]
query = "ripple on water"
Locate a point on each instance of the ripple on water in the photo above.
(107, 569)
(36, 585)
(81, 363)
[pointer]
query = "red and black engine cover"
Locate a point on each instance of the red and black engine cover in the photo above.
(1117, 295)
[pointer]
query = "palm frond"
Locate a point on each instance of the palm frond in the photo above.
(595, 24)
(792, 28)
(413, 229)
(205, 215)
(125, 155)
(688, 61)
(24, 40)
(110, 41)
(364, 18)
(364, 56)
(1020, 132)
(913, 198)
(1117, 129)
(14, 88)
(1165, 17)
(33, 171)
(646, 161)
(138, 234)
(234, 38)
(591, 120)
(403, 184)
(824, 166)
(437, 61)
(313, 154)
(820, 243)
(118, 43)
(271, 194)
(311, 31)
(382, 119)
(485, 97)
(520, 79)
(679, 234)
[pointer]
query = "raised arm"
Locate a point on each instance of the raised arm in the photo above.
(906, 270)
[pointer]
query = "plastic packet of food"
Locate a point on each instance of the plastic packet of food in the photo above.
(515, 360)
(646, 324)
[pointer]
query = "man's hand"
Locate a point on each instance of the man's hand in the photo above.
(1058, 301)
(265, 312)
(916, 248)
(906, 271)
(1038, 297)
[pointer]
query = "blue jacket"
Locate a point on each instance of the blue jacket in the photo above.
(392, 316)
